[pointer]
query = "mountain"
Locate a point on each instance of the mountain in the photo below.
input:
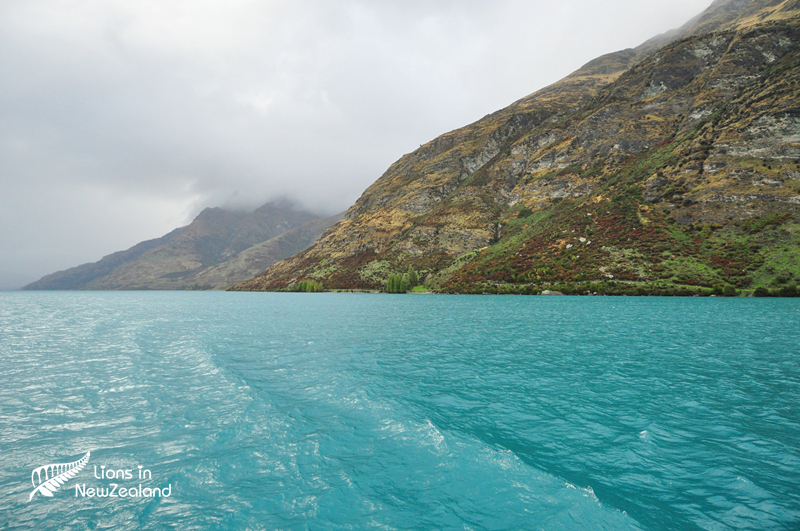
(255, 259)
(665, 169)
(218, 249)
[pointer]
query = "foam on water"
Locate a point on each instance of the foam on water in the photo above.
(292, 411)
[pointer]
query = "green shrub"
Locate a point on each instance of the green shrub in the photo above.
(402, 282)
(730, 291)
(396, 283)
(754, 225)
(307, 286)
(413, 278)
(788, 291)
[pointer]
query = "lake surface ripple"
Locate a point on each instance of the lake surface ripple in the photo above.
(342, 411)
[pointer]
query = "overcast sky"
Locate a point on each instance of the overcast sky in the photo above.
(121, 120)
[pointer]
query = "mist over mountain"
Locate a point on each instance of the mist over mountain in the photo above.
(664, 168)
(123, 120)
(219, 248)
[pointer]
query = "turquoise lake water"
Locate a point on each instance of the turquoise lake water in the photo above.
(344, 411)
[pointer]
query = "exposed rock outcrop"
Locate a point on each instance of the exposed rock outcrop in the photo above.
(665, 157)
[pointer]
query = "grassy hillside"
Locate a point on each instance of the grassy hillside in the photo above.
(676, 172)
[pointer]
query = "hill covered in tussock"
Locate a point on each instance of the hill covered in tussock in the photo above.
(663, 169)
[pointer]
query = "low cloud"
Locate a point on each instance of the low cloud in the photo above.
(120, 120)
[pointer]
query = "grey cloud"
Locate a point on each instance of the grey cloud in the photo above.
(120, 120)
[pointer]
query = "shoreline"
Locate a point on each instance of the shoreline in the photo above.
(618, 289)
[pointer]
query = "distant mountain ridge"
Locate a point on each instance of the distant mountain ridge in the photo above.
(666, 168)
(219, 248)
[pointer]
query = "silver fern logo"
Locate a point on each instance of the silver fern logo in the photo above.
(47, 479)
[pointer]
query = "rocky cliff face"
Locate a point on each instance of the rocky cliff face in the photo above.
(219, 248)
(665, 166)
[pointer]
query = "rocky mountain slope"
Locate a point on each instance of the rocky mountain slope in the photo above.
(661, 169)
(218, 249)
